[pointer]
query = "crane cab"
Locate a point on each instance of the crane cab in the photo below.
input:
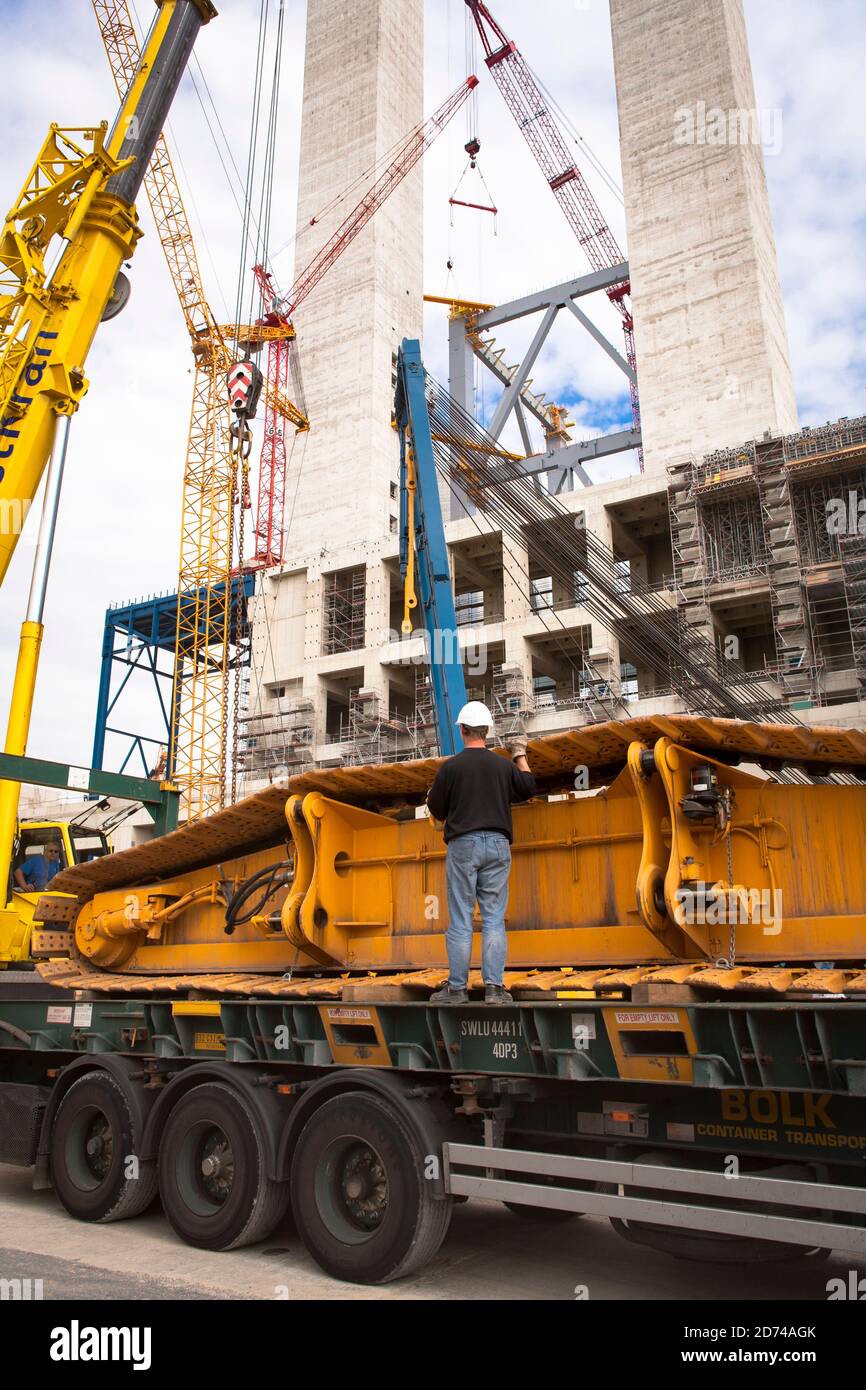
(77, 844)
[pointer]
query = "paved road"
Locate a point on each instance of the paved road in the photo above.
(488, 1254)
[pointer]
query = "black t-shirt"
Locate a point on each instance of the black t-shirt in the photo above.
(474, 790)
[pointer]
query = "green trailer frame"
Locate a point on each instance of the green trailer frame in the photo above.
(641, 1113)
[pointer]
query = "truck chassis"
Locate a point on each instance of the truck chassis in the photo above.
(730, 1131)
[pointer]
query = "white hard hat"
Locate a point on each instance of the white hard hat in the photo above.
(475, 716)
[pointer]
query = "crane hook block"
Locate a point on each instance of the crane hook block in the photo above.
(245, 386)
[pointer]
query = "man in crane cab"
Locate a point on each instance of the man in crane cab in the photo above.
(36, 871)
(473, 793)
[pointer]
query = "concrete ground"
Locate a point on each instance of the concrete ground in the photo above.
(488, 1254)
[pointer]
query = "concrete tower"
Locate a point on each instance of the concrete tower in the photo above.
(363, 91)
(709, 323)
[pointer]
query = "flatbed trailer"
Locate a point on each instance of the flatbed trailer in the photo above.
(727, 1129)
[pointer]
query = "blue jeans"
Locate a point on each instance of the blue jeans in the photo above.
(477, 866)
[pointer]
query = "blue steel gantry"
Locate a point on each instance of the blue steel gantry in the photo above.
(135, 637)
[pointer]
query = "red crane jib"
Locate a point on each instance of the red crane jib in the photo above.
(527, 104)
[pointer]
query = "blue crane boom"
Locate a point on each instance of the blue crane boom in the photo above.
(423, 552)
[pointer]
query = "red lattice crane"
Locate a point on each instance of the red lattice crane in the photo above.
(270, 512)
(270, 524)
(526, 102)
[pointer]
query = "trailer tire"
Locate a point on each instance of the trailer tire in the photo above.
(92, 1139)
(213, 1177)
(362, 1205)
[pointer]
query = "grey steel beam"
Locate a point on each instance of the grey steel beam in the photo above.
(571, 456)
(461, 366)
(558, 294)
(512, 392)
(562, 480)
(523, 427)
(461, 387)
(602, 341)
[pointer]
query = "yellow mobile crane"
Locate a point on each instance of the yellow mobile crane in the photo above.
(62, 247)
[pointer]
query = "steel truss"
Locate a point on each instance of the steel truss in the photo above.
(563, 461)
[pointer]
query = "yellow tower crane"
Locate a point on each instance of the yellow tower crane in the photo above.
(211, 482)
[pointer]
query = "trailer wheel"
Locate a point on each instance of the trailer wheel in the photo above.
(92, 1142)
(362, 1205)
(213, 1181)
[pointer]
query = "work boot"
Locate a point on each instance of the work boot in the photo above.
(497, 994)
(448, 995)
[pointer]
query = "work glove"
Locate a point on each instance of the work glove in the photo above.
(516, 745)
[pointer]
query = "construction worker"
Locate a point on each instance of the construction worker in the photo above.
(473, 793)
(36, 871)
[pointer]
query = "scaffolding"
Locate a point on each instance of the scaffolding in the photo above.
(276, 744)
(814, 501)
(758, 515)
(853, 557)
(422, 723)
(511, 700)
(368, 735)
(735, 542)
(752, 555)
(344, 610)
(833, 442)
(689, 556)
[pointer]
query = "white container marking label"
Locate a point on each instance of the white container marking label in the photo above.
(647, 1016)
(83, 1015)
(59, 1013)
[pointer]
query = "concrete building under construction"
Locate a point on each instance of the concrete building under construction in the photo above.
(727, 524)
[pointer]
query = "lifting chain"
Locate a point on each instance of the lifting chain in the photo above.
(238, 609)
(245, 382)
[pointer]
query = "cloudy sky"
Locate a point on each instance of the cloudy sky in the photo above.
(118, 537)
